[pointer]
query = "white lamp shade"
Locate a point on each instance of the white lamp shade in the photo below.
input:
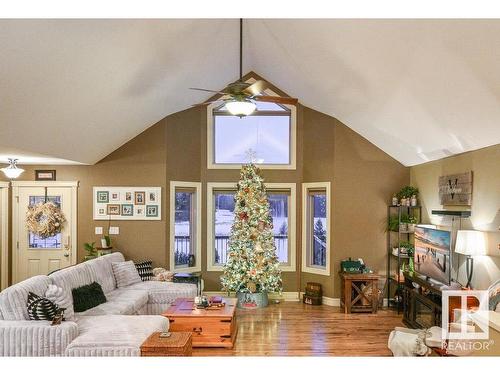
(470, 242)
(240, 108)
(12, 171)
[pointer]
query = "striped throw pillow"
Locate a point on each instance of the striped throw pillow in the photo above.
(125, 273)
(40, 308)
(145, 269)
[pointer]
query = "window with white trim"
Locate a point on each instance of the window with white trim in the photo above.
(267, 136)
(185, 226)
(220, 215)
(316, 228)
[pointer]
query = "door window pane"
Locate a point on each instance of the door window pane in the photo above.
(183, 227)
(36, 242)
(223, 220)
(317, 201)
(278, 204)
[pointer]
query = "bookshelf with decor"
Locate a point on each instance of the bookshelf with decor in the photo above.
(402, 216)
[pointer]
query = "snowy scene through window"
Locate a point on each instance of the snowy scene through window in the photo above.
(224, 218)
(319, 228)
(183, 227)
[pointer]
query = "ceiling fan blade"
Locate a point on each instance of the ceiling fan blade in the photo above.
(256, 88)
(207, 90)
(276, 99)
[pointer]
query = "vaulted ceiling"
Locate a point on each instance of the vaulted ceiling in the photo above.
(72, 91)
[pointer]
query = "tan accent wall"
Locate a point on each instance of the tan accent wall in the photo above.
(485, 167)
(363, 179)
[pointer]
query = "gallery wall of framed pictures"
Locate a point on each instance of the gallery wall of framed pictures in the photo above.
(127, 203)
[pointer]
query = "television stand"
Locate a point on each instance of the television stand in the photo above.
(422, 306)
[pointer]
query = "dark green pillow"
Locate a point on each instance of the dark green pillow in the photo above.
(87, 296)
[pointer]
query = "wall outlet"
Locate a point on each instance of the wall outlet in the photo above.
(114, 230)
(98, 230)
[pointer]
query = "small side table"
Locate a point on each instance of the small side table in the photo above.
(354, 295)
(179, 344)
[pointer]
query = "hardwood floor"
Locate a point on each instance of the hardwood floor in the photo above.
(295, 329)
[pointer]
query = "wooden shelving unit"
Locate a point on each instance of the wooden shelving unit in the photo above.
(395, 262)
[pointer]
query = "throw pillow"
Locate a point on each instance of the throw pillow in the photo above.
(125, 273)
(145, 269)
(40, 308)
(87, 297)
(62, 299)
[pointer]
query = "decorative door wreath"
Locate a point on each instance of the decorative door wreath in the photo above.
(45, 219)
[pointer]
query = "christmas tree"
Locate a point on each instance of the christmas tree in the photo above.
(252, 265)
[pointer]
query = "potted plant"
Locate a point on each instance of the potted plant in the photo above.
(91, 250)
(412, 221)
(405, 195)
(403, 225)
(393, 224)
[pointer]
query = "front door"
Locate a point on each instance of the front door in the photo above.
(34, 255)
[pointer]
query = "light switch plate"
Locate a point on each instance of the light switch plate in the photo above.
(114, 230)
(98, 230)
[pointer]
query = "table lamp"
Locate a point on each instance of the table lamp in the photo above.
(470, 243)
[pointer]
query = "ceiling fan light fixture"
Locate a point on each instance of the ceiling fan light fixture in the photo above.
(240, 107)
(12, 171)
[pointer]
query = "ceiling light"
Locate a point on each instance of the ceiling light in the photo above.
(12, 171)
(240, 107)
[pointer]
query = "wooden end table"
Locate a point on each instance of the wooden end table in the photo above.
(179, 344)
(211, 327)
(354, 296)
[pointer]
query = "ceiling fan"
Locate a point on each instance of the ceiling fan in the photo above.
(243, 95)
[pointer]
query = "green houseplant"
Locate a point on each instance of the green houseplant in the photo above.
(407, 192)
(91, 250)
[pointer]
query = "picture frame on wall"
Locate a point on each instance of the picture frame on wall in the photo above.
(113, 209)
(140, 197)
(127, 203)
(45, 175)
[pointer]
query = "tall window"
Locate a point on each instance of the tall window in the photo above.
(267, 137)
(221, 217)
(316, 228)
(185, 226)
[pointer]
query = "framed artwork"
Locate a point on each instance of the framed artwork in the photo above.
(45, 175)
(152, 197)
(151, 210)
(127, 210)
(140, 197)
(127, 203)
(456, 189)
(102, 196)
(113, 209)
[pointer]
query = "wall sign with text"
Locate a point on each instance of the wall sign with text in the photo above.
(456, 189)
(127, 203)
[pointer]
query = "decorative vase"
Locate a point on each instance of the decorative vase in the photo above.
(411, 227)
(411, 265)
(104, 244)
(252, 300)
(413, 201)
(394, 201)
(191, 260)
(403, 227)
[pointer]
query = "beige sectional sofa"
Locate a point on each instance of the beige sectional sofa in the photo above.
(114, 328)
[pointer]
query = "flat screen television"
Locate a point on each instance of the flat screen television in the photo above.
(432, 255)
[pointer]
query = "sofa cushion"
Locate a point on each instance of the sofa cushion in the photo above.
(41, 308)
(114, 335)
(120, 302)
(102, 273)
(125, 273)
(164, 291)
(88, 296)
(57, 295)
(13, 299)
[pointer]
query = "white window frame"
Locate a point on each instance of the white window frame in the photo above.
(306, 187)
(292, 226)
(293, 138)
(197, 222)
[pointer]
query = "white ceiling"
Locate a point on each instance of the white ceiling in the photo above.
(78, 89)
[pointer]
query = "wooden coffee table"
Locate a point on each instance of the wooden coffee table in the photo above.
(211, 327)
